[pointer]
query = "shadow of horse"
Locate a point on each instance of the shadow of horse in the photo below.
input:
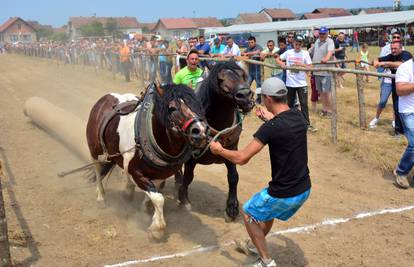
(186, 224)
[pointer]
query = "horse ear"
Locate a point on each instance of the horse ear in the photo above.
(159, 89)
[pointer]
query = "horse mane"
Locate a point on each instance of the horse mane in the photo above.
(174, 92)
(208, 89)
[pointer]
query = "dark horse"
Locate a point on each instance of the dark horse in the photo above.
(150, 140)
(224, 93)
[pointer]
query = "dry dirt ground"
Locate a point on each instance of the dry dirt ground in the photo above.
(57, 222)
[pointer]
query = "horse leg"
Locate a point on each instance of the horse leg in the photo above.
(129, 188)
(178, 177)
(101, 171)
(188, 177)
(146, 203)
(232, 208)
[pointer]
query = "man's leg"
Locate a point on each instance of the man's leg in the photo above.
(257, 234)
(291, 96)
(407, 160)
(398, 124)
(303, 100)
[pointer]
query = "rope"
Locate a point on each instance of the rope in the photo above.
(224, 131)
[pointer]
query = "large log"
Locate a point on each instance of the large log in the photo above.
(59, 123)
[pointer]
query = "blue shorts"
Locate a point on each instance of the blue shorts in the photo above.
(263, 207)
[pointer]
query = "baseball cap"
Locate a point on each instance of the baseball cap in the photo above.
(395, 31)
(272, 87)
(323, 30)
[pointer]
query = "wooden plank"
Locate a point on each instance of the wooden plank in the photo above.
(5, 258)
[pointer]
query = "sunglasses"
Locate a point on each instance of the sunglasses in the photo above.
(396, 37)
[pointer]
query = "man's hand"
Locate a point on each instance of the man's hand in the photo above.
(216, 148)
(263, 114)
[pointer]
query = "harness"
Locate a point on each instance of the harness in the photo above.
(151, 153)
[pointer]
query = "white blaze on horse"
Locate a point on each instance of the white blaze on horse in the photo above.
(148, 139)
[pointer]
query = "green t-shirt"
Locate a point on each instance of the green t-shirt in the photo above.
(185, 76)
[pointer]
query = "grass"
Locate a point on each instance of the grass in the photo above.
(377, 147)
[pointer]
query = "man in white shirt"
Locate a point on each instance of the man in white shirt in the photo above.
(231, 49)
(404, 79)
(296, 81)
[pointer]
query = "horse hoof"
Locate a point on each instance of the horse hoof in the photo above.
(229, 219)
(155, 235)
(185, 204)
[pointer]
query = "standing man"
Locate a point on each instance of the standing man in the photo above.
(404, 80)
(284, 130)
(218, 48)
(165, 63)
(268, 56)
(203, 49)
(290, 40)
(191, 74)
(322, 52)
(386, 83)
(392, 62)
(355, 41)
(125, 54)
(281, 74)
(296, 81)
(255, 71)
(231, 49)
(340, 54)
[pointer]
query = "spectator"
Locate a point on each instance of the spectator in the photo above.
(340, 54)
(282, 49)
(165, 63)
(231, 49)
(125, 60)
(203, 49)
(290, 40)
(322, 52)
(296, 81)
(284, 131)
(182, 49)
(386, 83)
(355, 41)
(392, 62)
(268, 56)
(364, 59)
(191, 74)
(404, 80)
(255, 71)
(217, 49)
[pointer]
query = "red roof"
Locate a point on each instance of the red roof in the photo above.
(207, 22)
(122, 22)
(149, 25)
(248, 18)
(177, 23)
(333, 12)
(279, 13)
(11, 21)
(315, 16)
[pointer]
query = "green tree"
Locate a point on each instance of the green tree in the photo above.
(59, 36)
(111, 26)
(44, 33)
(94, 28)
(411, 7)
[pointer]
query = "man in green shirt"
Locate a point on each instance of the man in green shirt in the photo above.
(191, 74)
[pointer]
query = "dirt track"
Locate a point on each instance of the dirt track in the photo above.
(57, 222)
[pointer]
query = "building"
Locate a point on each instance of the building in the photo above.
(17, 30)
(251, 18)
(326, 13)
(371, 11)
(278, 14)
(148, 27)
(126, 25)
(176, 28)
(207, 22)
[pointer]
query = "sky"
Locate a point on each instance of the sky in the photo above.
(56, 13)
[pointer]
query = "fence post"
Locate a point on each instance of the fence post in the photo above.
(361, 100)
(334, 119)
(5, 259)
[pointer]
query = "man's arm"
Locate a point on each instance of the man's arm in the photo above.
(404, 88)
(239, 157)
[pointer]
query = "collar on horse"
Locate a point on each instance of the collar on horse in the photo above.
(151, 153)
(230, 136)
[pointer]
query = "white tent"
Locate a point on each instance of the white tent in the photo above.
(348, 22)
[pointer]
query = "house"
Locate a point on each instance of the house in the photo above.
(207, 22)
(278, 14)
(126, 25)
(326, 13)
(371, 11)
(148, 27)
(176, 28)
(17, 30)
(250, 18)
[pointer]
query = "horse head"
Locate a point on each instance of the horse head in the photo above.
(182, 112)
(233, 83)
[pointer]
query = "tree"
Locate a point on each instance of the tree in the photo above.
(59, 36)
(411, 7)
(111, 26)
(94, 28)
(43, 33)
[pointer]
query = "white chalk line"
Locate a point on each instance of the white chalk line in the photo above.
(296, 230)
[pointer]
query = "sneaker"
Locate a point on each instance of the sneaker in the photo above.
(245, 247)
(401, 180)
(393, 124)
(373, 123)
(260, 263)
(312, 129)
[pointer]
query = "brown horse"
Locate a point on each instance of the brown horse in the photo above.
(150, 140)
(224, 94)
